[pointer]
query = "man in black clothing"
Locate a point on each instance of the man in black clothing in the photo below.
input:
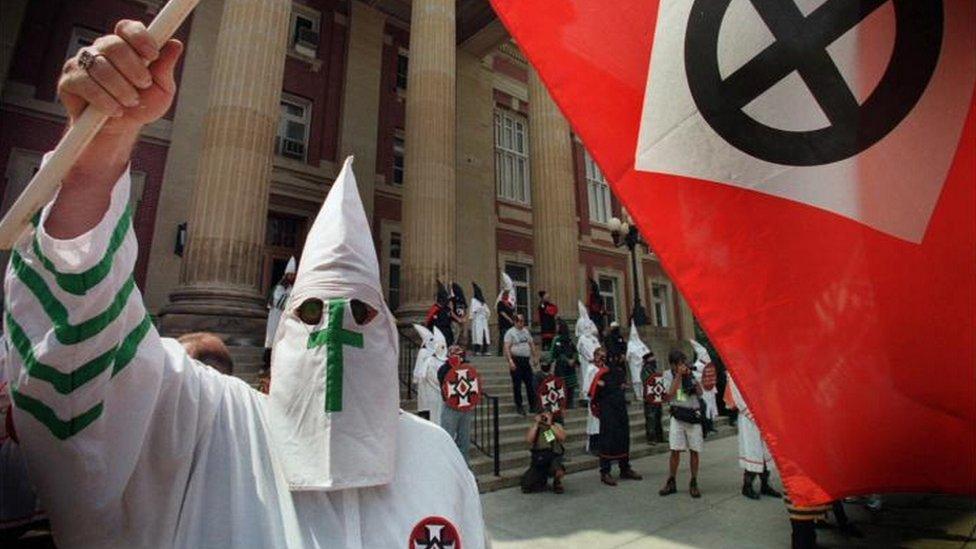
(616, 346)
(442, 315)
(547, 319)
(506, 319)
(611, 383)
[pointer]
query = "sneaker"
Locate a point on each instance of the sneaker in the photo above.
(669, 488)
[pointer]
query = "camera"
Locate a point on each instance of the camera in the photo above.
(688, 383)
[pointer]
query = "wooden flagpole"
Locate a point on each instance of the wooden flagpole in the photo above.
(46, 181)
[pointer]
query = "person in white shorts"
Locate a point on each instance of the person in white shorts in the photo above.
(684, 400)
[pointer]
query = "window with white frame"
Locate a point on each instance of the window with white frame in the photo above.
(660, 298)
(521, 278)
(293, 126)
(399, 154)
(403, 61)
(305, 24)
(598, 191)
(80, 38)
(393, 282)
(512, 156)
(608, 291)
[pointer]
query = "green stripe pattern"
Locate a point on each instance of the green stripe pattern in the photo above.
(80, 283)
(66, 333)
(62, 430)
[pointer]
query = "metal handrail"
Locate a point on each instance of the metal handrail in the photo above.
(485, 430)
(408, 355)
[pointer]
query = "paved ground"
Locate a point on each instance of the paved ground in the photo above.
(632, 515)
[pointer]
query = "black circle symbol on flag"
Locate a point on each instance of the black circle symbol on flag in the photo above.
(801, 45)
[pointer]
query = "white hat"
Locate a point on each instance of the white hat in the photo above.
(584, 326)
(335, 398)
(701, 353)
(292, 265)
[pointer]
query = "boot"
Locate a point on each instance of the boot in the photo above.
(605, 478)
(557, 483)
(804, 536)
(669, 488)
(630, 474)
(747, 489)
(764, 487)
(693, 488)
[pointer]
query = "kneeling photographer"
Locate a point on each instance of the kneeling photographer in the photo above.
(545, 438)
(684, 400)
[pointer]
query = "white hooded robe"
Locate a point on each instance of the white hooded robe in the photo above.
(635, 360)
(754, 456)
(429, 360)
(130, 443)
(586, 344)
(480, 314)
(279, 297)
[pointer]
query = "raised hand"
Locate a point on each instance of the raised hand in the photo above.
(125, 75)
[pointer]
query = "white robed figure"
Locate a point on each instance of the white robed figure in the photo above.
(131, 443)
(636, 349)
(279, 297)
(431, 355)
(587, 343)
(710, 396)
(480, 315)
(754, 456)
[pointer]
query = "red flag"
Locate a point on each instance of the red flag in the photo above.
(806, 172)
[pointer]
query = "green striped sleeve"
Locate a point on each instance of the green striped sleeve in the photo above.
(65, 383)
(59, 428)
(67, 333)
(80, 283)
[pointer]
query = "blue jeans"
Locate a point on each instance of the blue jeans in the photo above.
(458, 425)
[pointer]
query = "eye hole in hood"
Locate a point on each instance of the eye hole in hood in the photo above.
(310, 311)
(361, 312)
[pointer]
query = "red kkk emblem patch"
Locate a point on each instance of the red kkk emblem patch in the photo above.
(462, 388)
(709, 377)
(552, 394)
(654, 389)
(434, 533)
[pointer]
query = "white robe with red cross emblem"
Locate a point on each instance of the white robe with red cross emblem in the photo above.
(130, 443)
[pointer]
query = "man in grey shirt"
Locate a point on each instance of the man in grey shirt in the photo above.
(520, 350)
(683, 392)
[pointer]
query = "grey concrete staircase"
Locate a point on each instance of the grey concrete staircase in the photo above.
(514, 453)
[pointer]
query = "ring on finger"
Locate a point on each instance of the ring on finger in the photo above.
(86, 59)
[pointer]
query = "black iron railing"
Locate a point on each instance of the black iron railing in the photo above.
(484, 431)
(408, 355)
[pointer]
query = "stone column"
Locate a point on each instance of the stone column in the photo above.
(429, 248)
(180, 173)
(477, 255)
(361, 96)
(553, 199)
(220, 274)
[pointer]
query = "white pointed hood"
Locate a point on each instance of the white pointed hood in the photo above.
(440, 345)
(292, 265)
(334, 397)
(584, 326)
(424, 352)
(701, 353)
(507, 284)
(635, 357)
